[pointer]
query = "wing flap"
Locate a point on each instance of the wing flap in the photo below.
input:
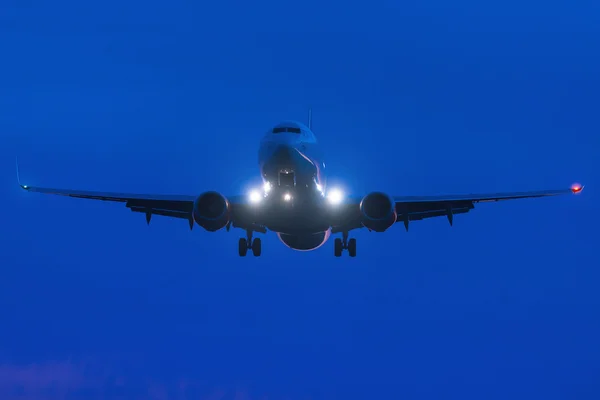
(417, 216)
(477, 198)
(175, 206)
(421, 207)
(165, 213)
(110, 196)
(185, 207)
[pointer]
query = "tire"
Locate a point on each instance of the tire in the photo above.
(337, 247)
(242, 247)
(256, 247)
(352, 247)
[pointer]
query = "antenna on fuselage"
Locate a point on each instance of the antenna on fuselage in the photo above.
(310, 118)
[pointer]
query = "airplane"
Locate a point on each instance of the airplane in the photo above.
(294, 201)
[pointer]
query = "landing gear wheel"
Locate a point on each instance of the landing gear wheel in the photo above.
(344, 244)
(256, 247)
(352, 247)
(338, 247)
(242, 247)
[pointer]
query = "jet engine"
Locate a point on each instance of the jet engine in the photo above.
(211, 211)
(378, 211)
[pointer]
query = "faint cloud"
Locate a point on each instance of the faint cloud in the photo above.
(157, 392)
(240, 395)
(217, 394)
(47, 380)
(66, 380)
(42, 375)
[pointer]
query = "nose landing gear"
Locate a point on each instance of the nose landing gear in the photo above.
(340, 245)
(246, 244)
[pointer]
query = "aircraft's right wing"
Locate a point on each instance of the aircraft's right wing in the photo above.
(167, 205)
(174, 206)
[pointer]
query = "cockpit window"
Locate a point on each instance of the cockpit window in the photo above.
(288, 129)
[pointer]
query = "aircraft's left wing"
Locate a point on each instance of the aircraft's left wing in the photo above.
(413, 208)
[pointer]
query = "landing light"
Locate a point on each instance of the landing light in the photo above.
(267, 187)
(255, 196)
(335, 196)
(287, 197)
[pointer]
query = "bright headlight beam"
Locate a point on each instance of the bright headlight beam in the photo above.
(267, 187)
(255, 196)
(335, 196)
(287, 197)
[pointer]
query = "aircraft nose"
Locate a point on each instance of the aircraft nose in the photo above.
(283, 154)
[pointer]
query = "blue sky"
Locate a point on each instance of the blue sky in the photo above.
(173, 97)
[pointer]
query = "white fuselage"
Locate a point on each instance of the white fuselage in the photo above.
(293, 171)
(290, 151)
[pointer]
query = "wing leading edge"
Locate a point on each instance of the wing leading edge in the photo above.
(412, 208)
(408, 208)
(176, 206)
(415, 208)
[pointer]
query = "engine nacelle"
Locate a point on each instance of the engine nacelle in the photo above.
(378, 211)
(211, 211)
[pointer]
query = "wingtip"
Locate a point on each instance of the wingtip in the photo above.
(25, 187)
(17, 169)
(577, 188)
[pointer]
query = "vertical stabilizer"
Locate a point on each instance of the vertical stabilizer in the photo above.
(310, 118)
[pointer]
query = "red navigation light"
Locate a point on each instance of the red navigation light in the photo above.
(576, 188)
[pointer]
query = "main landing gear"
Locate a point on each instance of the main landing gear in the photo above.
(344, 244)
(246, 244)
